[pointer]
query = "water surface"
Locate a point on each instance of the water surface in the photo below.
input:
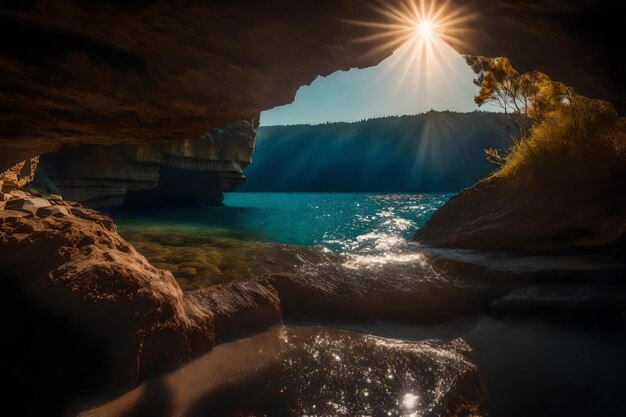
(258, 233)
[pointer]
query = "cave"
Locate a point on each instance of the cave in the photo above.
(173, 241)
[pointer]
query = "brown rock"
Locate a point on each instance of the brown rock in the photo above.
(94, 216)
(560, 204)
(6, 215)
(18, 175)
(27, 204)
(56, 211)
(239, 308)
(18, 194)
(88, 275)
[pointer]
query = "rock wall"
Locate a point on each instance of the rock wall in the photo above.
(186, 172)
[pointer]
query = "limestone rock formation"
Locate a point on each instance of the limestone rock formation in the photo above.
(106, 72)
(533, 212)
(192, 171)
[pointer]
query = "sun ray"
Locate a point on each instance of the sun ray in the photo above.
(427, 24)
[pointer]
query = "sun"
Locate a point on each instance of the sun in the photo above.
(425, 29)
(426, 23)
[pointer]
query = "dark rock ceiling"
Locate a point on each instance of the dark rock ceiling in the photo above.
(105, 72)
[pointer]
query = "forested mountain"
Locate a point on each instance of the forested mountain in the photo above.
(434, 151)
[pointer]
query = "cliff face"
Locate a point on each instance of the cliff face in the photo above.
(184, 172)
(108, 72)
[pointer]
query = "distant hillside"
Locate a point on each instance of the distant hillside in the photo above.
(435, 151)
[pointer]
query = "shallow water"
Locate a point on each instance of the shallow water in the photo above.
(259, 233)
(342, 222)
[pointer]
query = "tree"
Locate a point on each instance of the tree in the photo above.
(545, 117)
(524, 98)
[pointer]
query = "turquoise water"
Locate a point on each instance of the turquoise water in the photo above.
(341, 222)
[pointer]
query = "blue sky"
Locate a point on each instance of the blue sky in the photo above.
(402, 84)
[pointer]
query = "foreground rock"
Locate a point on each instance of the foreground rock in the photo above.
(296, 371)
(184, 173)
(83, 309)
(560, 205)
(601, 306)
(84, 312)
(411, 294)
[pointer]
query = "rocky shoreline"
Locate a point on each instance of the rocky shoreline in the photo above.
(144, 324)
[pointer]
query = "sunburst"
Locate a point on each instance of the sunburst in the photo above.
(426, 24)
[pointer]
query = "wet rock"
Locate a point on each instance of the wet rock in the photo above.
(30, 205)
(238, 308)
(600, 305)
(297, 371)
(416, 294)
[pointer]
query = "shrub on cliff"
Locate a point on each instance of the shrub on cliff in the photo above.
(553, 121)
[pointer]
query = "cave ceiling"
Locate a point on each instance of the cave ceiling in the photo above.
(107, 72)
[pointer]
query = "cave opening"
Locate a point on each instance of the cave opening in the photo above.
(428, 233)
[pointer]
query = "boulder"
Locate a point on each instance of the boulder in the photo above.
(410, 294)
(86, 277)
(560, 204)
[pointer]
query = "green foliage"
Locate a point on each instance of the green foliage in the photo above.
(552, 119)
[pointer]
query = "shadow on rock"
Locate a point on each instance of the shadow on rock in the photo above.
(155, 401)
